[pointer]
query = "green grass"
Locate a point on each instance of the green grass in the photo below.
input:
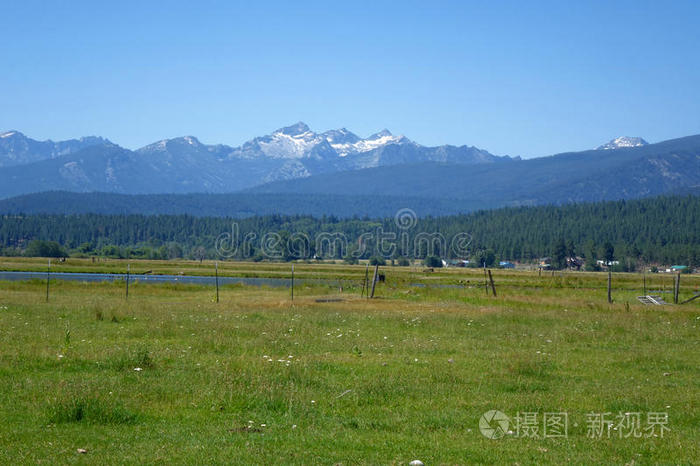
(256, 379)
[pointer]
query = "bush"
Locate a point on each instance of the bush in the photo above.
(112, 251)
(376, 260)
(403, 262)
(39, 248)
(432, 261)
(592, 266)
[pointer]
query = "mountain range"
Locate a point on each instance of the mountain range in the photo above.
(185, 165)
(300, 171)
(596, 175)
(17, 149)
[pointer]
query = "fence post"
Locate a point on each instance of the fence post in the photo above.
(609, 286)
(493, 285)
(216, 274)
(374, 279)
(677, 288)
(292, 282)
(128, 271)
(48, 279)
(364, 283)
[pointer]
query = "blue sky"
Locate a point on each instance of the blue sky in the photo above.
(518, 78)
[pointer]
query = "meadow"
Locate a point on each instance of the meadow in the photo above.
(171, 376)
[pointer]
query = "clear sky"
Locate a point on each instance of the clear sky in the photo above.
(518, 78)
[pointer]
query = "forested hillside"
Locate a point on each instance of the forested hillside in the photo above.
(232, 205)
(655, 230)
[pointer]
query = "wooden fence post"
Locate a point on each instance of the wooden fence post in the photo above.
(609, 286)
(364, 283)
(48, 279)
(292, 282)
(493, 285)
(374, 279)
(216, 273)
(128, 271)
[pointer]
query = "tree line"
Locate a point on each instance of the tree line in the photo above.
(661, 230)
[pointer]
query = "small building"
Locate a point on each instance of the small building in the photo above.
(459, 263)
(574, 262)
(679, 268)
(506, 265)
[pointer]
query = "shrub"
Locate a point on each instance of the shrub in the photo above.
(376, 260)
(39, 248)
(403, 262)
(432, 261)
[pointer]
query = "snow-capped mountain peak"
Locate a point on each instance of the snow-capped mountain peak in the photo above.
(296, 129)
(366, 145)
(340, 136)
(291, 142)
(7, 134)
(164, 144)
(298, 141)
(354, 145)
(623, 141)
(382, 134)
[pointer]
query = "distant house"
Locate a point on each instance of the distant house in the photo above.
(545, 263)
(506, 265)
(574, 262)
(459, 263)
(607, 263)
(679, 268)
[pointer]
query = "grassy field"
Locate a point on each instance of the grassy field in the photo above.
(170, 376)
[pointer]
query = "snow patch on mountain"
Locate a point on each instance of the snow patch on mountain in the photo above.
(623, 141)
(375, 141)
(285, 145)
(298, 142)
